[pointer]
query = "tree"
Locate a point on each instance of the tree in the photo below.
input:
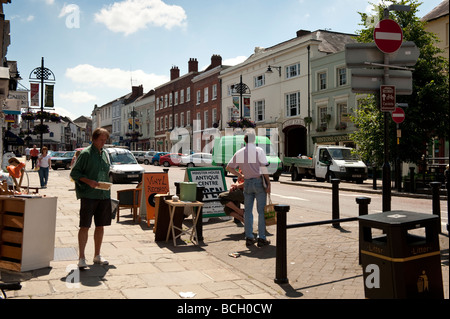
(427, 115)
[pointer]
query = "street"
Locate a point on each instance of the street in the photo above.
(310, 203)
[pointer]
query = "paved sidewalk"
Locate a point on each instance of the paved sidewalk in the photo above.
(323, 265)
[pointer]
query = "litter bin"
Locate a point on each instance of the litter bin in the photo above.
(400, 255)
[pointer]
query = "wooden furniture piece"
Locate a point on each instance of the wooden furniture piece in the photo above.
(162, 218)
(130, 198)
(191, 230)
(27, 232)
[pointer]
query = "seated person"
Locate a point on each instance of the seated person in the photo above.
(232, 199)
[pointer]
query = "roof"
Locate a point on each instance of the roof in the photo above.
(438, 12)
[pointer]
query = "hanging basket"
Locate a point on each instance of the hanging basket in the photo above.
(41, 129)
(28, 116)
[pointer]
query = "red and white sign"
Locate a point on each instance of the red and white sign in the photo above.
(388, 36)
(34, 94)
(398, 115)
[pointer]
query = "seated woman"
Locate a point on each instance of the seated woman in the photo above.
(232, 200)
(16, 170)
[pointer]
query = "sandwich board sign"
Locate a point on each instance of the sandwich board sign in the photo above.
(152, 184)
(213, 180)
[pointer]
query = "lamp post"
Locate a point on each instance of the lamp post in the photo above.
(269, 69)
(43, 75)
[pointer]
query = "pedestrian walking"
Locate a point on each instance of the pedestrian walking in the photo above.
(253, 163)
(92, 167)
(44, 163)
(27, 153)
(34, 154)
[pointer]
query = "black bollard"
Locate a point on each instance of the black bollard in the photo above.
(363, 204)
(281, 249)
(412, 182)
(335, 204)
(435, 186)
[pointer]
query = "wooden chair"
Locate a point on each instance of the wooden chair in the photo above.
(130, 198)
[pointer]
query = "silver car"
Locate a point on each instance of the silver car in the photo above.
(148, 157)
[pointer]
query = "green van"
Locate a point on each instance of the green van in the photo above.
(226, 146)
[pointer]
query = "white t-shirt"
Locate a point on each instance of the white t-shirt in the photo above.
(251, 160)
(44, 161)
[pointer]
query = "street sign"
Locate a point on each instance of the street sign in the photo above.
(387, 97)
(388, 36)
(370, 80)
(398, 115)
(361, 55)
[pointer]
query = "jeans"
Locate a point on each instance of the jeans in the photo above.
(254, 189)
(43, 176)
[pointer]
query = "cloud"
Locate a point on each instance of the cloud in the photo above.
(78, 97)
(130, 16)
(92, 76)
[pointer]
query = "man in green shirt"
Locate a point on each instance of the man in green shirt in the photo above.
(92, 167)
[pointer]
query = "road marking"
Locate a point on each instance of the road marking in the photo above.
(290, 197)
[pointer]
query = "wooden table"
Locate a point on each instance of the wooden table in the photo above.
(191, 230)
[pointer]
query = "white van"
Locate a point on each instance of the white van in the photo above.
(123, 166)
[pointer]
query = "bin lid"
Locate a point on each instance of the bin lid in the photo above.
(397, 217)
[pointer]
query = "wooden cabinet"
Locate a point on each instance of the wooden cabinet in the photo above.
(27, 232)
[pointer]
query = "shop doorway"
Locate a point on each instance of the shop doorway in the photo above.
(294, 141)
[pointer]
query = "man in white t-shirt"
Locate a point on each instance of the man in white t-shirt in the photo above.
(253, 163)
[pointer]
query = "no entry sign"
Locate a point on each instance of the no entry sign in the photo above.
(388, 36)
(398, 115)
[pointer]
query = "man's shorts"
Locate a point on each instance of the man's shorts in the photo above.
(100, 209)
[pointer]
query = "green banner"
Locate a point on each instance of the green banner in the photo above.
(49, 96)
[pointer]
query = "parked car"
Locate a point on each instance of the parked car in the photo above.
(148, 157)
(123, 166)
(139, 155)
(56, 153)
(170, 159)
(62, 160)
(197, 159)
(155, 158)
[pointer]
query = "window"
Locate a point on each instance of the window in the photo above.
(230, 113)
(170, 121)
(176, 120)
(188, 118)
(166, 123)
(323, 116)
(188, 94)
(170, 99)
(343, 112)
(182, 119)
(292, 71)
(181, 96)
(176, 98)
(165, 101)
(214, 116)
(322, 76)
(161, 123)
(205, 95)
(206, 119)
(259, 110)
(199, 97)
(293, 104)
(259, 80)
(341, 76)
(214, 92)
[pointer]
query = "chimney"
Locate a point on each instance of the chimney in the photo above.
(193, 65)
(216, 60)
(137, 90)
(301, 33)
(174, 73)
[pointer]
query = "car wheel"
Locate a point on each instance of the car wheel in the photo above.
(166, 164)
(190, 165)
(146, 162)
(156, 163)
(54, 167)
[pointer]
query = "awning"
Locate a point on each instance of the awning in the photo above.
(13, 139)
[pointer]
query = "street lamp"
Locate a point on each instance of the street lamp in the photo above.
(269, 69)
(44, 75)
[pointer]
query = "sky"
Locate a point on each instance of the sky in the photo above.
(99, 49)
